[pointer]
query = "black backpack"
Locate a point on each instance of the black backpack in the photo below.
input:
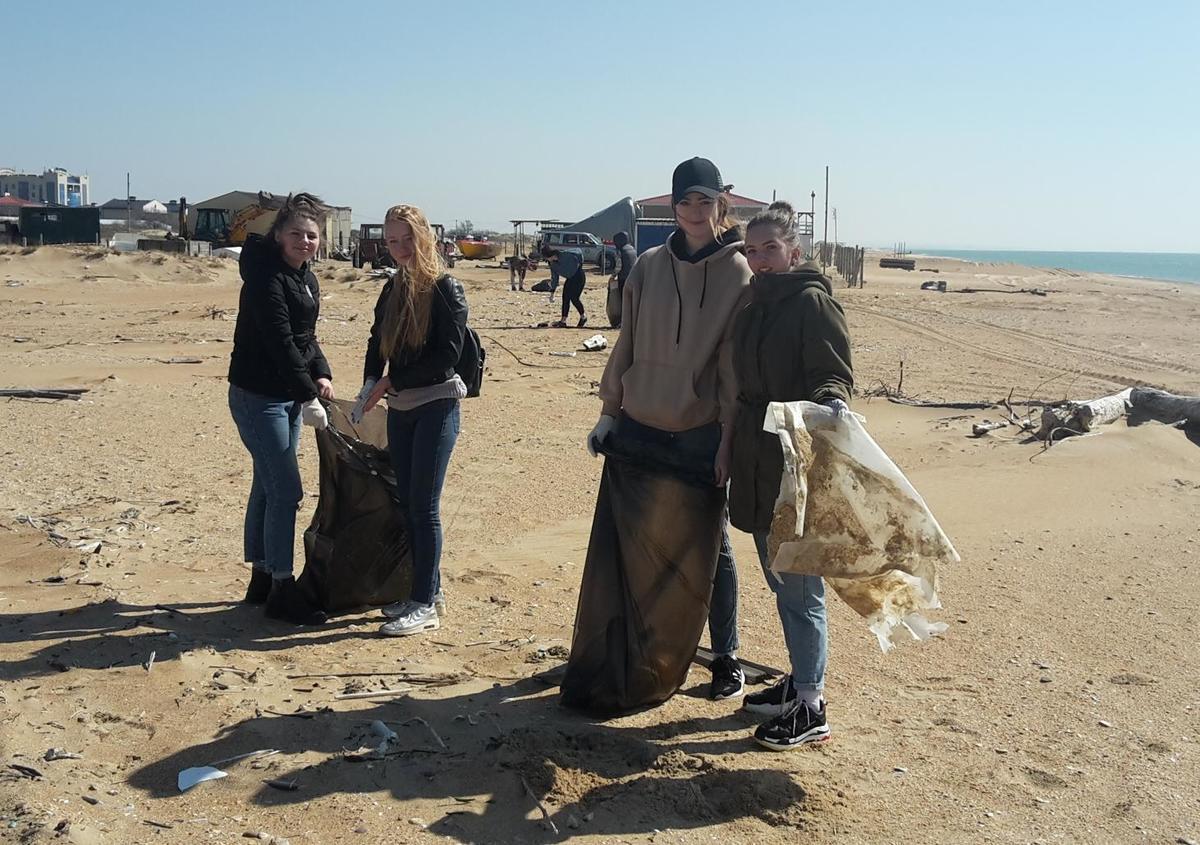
(470, 362)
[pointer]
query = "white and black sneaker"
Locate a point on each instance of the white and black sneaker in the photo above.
(403, 608)
(773, 701)
(728, 680)
(420, 617)
(798, 726)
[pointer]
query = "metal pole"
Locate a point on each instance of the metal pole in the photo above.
(825, 232)
(128, 205)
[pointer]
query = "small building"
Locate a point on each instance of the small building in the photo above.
(743, 208)
(11, 206)
(54, 186)
(136, 210)
(59, 225)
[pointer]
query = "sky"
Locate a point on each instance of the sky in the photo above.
(1057, 126)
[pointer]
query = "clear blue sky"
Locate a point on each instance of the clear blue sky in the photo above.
(1070, 125)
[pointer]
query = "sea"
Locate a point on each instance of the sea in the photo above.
(1164, 266)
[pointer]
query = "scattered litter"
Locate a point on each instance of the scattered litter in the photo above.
(198, 774)
(88, 547)
(149, 664)
(284, 785)
(595, 343)
(27, 771)
(181, 360)
(60, 754)
(562, 354)
(386, 736)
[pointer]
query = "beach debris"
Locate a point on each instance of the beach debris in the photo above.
(399, 692)
(562, 354)
(595, 343)
(180, 360)
(981, 428)
(547, 821)
(898, 263)
(149, 664)
(263, 836)
(1074, 418)
(197, 775)
(934, 284)
(42, 392)
(419, 720)
(386, 736)
(283, 785)
(60, 754)
(1158, 405)
(26, 771)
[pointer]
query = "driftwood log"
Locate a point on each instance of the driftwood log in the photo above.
(1164, 407)
(1081, 417)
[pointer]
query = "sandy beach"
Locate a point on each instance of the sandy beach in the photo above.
(1060, 706)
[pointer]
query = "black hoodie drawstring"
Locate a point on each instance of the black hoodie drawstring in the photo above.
(679, 295)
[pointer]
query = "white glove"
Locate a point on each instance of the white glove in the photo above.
(600, 433)
(840, 409)
(313, 413)
(356, 415)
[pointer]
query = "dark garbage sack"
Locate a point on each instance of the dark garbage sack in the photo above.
(647, 583)
(356, 549)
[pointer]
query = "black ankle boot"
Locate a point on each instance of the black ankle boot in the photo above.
(259, 588)
(286, 602)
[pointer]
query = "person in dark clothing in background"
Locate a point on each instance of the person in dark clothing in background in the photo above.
(567, 263)
(626, 254)
(276, 374)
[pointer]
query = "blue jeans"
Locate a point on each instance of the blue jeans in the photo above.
(800, 600)
(270, 431)
(696, 450)
(420, 442)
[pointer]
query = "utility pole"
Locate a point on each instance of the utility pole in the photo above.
(128, 205)
(812, 224)
(825, 233)
(835, 237)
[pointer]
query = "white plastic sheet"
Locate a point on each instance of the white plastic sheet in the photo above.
(847, 513)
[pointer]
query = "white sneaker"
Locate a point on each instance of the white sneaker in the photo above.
(422, 617)
(398, 609)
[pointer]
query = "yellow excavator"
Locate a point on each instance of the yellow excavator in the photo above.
(221, 227)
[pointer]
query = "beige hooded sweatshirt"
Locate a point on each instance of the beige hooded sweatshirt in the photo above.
(672, 366)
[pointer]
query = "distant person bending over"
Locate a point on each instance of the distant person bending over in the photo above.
(789, 344)
(420, 323)
(567, 263)
(276, 373)
(627, 255)
(669, 383)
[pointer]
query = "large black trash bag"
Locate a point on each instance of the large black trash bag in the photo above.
(356, 548)
(646, 586)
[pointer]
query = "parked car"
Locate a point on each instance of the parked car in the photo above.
(594, 250)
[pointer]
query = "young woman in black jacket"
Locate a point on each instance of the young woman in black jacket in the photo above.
(276, 374)
(420, 324)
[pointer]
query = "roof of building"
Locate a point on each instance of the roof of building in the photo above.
(17, 202)
(736, 200)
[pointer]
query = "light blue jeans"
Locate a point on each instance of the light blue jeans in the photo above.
(800, 600)
(270, 431)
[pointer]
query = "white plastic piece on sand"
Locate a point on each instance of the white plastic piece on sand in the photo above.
(386, 736)
(846, 513)
(595, 343)
(198, 774)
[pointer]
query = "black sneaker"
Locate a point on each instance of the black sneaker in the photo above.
(796, 727)
(728, 680)
(773, 701)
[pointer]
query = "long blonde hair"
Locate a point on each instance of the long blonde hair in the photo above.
(406, 322)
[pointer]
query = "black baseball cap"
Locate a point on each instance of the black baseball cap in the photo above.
(696, 174)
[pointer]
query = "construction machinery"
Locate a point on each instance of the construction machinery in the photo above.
(370, 247)
(222, 227)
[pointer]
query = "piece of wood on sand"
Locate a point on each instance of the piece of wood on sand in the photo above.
(1082, 417)
(1148, 403)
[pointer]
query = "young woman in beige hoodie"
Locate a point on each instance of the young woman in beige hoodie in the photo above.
(669, 383)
